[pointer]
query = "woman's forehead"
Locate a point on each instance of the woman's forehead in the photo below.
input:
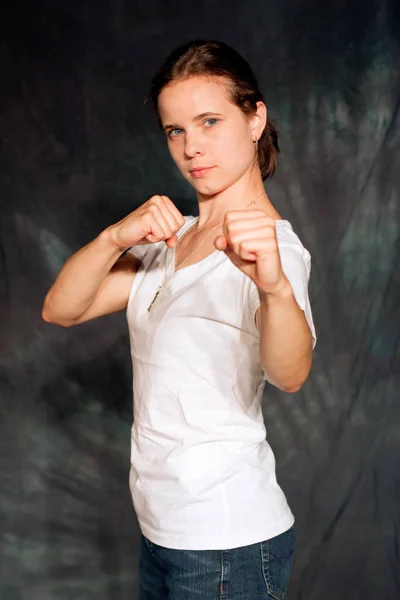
(190, 97)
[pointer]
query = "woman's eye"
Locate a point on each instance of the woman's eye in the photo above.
(174, 132)
(212, 122)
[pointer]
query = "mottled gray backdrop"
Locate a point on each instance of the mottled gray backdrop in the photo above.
(78, 152)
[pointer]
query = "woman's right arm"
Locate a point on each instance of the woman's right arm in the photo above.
(97, 279)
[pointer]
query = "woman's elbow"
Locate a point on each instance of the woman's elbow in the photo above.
(49, 318)
(291, 389)
(296, 383)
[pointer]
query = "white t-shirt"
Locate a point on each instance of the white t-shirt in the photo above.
(202, 473)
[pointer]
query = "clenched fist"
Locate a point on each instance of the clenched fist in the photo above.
(249, 240)
(156, 220)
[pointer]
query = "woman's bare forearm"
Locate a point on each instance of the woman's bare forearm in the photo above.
(87, 285)
(80, 279)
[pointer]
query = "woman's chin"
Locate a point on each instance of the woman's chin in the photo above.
(210, 188)
(206, 188)
(214, 187)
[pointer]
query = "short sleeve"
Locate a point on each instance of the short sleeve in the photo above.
(139, 251)
(296, 264)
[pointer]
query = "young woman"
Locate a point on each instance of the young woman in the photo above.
(216, 305)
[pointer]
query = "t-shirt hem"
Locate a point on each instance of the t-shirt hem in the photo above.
(220, 542)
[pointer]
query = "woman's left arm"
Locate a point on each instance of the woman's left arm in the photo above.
(285, 338)
(280, 273)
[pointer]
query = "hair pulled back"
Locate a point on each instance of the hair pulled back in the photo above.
(216, 59)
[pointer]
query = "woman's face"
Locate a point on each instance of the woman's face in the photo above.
(210, 138)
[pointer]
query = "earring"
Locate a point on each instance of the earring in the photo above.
(256, 146)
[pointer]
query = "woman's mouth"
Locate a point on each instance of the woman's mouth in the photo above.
(200, 171)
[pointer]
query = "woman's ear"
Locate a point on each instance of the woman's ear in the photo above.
(258, 120)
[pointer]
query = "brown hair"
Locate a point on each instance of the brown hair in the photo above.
(216, 59)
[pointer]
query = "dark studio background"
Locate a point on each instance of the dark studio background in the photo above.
(78, 152)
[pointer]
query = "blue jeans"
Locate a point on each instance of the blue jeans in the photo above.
(256, 572)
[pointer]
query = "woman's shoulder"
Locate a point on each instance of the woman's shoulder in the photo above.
(189, 219)
(285, 231)
(288, 239)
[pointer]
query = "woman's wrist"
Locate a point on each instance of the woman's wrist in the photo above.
(109, 237)
(282, 291)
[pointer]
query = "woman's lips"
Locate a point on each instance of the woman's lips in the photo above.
(200, 172)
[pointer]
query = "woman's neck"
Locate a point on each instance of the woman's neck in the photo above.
(212, 210)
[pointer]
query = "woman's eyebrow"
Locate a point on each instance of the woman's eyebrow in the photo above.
(196, 118)
(206, 114)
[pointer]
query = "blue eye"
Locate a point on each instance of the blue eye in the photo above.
(172, 132)
(213, 121)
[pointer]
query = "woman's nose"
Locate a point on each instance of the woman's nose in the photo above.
(193, 146)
